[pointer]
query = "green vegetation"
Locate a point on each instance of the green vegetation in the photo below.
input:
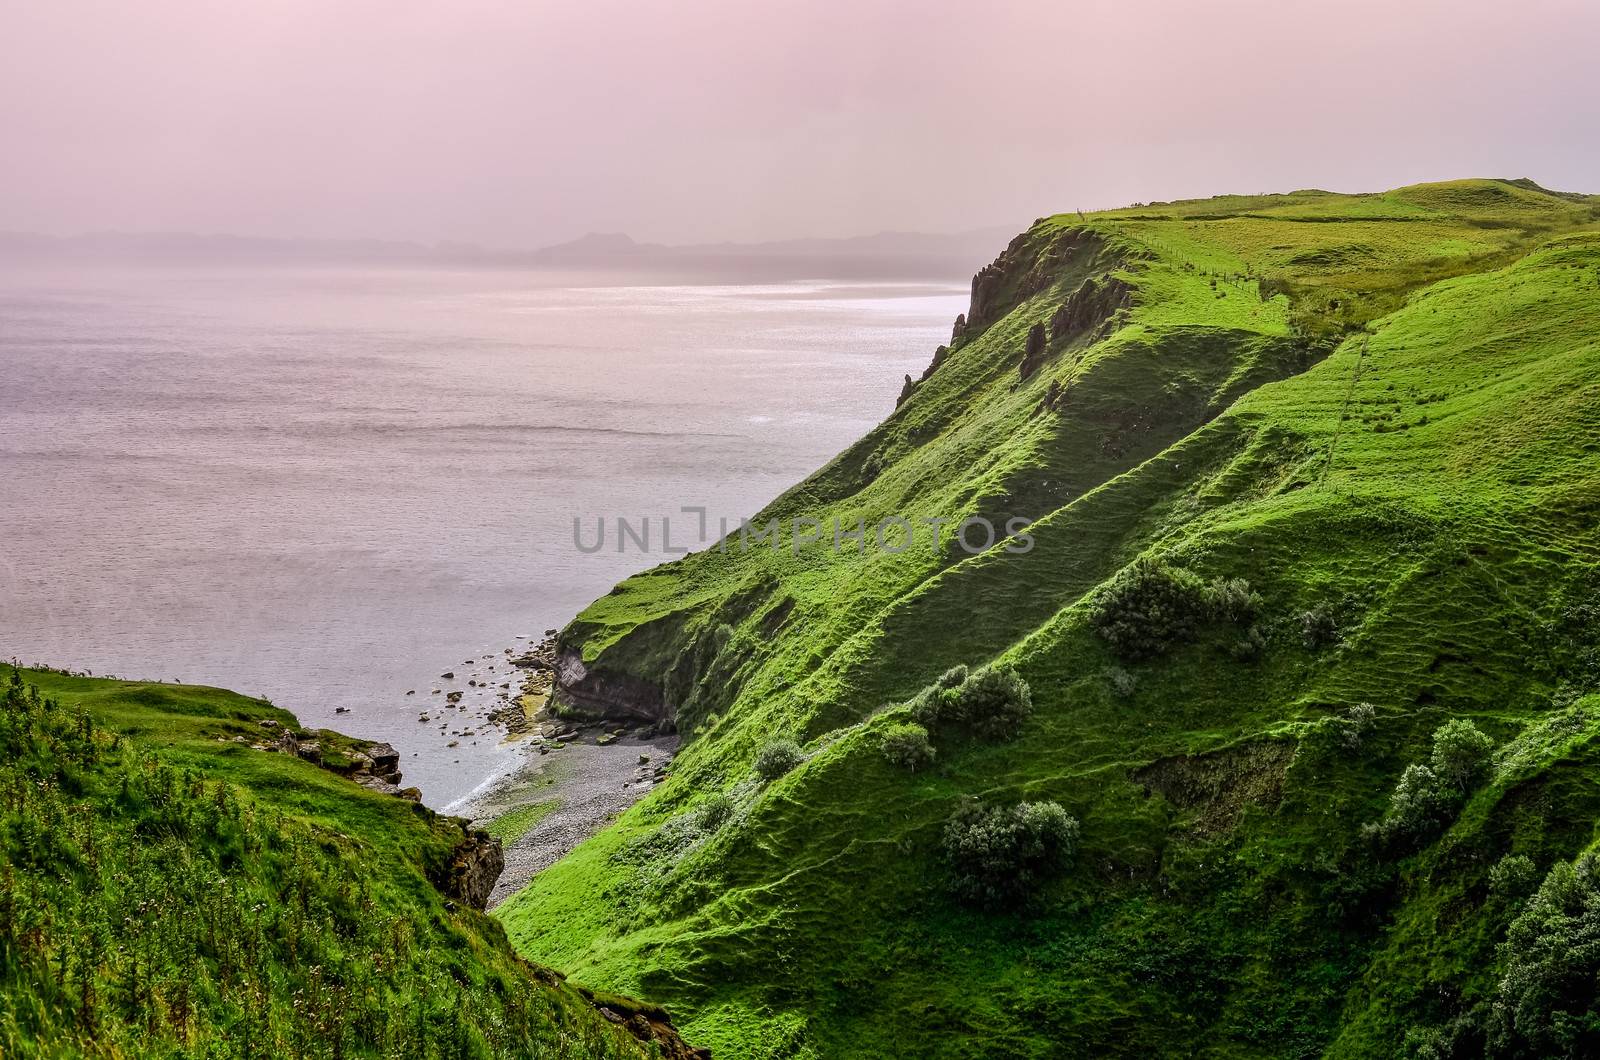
(907, 746)
(1000, 856)
(991, 703)
(778, 758)
(1324, 481)
(167, 890)
(1428, 796)
(518, 821)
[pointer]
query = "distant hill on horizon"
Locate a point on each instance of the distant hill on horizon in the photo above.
(883, 254)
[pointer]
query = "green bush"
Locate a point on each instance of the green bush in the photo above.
(1318, 628)
(994, 702)
(1232, 600)
(1148, 608)
(1151, 607)
(714, 812)
(1418, 804)
(991, 702)
(1001, 855)
(777, 758)
(1250, 647)
(907, 746)
(1427, 796)
(1123, 684)
(1513, 876)
(1461, 754)
(954, 677)
(1356, 723)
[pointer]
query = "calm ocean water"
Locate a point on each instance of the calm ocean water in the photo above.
(327, 487)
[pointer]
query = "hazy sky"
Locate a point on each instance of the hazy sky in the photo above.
(522, 123)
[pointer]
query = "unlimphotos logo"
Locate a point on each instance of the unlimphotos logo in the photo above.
(893, 534)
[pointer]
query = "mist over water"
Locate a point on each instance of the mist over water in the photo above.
(329, 486)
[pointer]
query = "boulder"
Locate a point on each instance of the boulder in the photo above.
(385, 759)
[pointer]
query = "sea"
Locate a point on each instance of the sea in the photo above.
(328, 486)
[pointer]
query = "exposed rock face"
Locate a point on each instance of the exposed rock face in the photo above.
(959, 328)
(1023, 269)
(385, 762)
(1033, 353)
(1091, 305)
(986, 290)
(648, 1023)
(375, 766)
(475, 865)
(910, 387)
(606, 695)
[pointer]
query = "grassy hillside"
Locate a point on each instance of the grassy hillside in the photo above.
(168, 891)
(1287, 456)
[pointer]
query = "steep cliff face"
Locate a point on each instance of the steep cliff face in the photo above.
(1354, 438)
(597, 692)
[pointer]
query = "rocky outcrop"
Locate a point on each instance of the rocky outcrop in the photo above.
(375, 766)
(958, 329)
(910, 387)
(988, 286)
(475, 865)
(1033, 262)
(1033, 352)
(1091, 305)
(650, 1024)
(605, 695)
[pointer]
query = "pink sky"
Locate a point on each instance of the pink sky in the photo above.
(522, 123)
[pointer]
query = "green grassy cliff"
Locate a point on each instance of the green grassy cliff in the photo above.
(1286, 456)
(168, 889)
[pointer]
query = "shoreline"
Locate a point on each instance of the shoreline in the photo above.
(574, 776)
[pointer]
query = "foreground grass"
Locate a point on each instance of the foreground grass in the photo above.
(1383, 413)
(166, 891)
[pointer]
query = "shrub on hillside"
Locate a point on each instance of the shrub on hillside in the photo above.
(1418, 804)
(991, 702)
(1152, 606)
(1250, 647)
(908, 746)
(714, 812)
(1356, 723)
(1427, 796)
(1123, 684)
(1513, 876)
(934, 706)
(1232, 600)
(1318, 628)
(1001, 855)
(954, 677)
(1461, 754)
(1147, 608)
(777, 758)
(994, 702)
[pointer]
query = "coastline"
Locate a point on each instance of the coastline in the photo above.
(573, 778)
